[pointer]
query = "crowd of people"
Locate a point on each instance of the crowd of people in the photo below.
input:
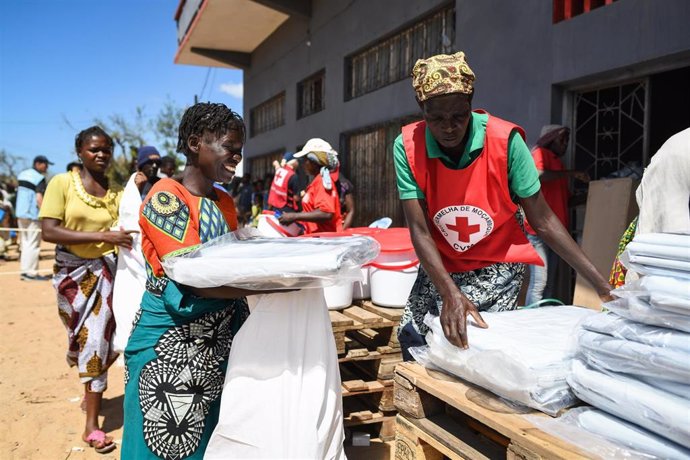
(467, 182)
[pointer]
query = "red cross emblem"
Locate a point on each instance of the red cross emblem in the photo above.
(464, 229)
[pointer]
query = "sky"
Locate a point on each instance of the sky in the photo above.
(64, 63)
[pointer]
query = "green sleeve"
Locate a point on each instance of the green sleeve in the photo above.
(523, 177)
(407, 185)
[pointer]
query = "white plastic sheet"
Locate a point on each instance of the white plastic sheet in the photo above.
(611, 324)
(640, 310)
(658, 411)
(130, 278)
(619, 355)
(241, 259)
(604, 436)
(666, 293)
(523, 356)
(282, 397)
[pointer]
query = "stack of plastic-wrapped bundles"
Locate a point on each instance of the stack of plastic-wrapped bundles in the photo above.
(634, 360)
(524, 356)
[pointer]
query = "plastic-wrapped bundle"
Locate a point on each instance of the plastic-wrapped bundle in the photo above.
(616, 326)
(640, 310)
(523, 356)
(664, 254)
(665, 293)
(243, 260)
(604, 351)
(604, 436)
(658, 411)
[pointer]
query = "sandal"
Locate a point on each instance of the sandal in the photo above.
(97, 437)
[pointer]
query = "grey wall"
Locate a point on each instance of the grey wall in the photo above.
(522, 60)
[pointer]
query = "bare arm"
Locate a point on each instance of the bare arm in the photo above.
(54, 232)
(550, 229)
(39, 199)
(350, 207)
(313, 216)
(456, 306)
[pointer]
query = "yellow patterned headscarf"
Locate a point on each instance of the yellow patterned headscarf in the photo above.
(442, 74)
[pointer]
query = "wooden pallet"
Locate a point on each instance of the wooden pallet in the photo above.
(440, 415)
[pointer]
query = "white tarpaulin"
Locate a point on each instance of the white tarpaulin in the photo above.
(130, 278)
(604, 436)
(523, 356)
(663, 413)
(282, 393)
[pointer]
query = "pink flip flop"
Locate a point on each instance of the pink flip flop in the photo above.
(97, 437)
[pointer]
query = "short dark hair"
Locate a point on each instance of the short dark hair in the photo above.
(210, 117)
(72, 164)
(168, 160)
(92, 131)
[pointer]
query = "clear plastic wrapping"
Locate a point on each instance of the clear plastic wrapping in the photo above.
(523, 356)
(665, 293)
(601, 435)
(660, 412)
(242, 259)
(611, 324)
(620, 355)
(638, 309)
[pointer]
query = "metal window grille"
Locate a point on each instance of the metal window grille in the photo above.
(262, 166)
(311, 94)
(567, 9)
(369, 166)
(610, 129)
(391, 59)
(268, 115)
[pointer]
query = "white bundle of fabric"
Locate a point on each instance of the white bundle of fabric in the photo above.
(619, 355)
(241, 259)
(523, 356)
(663, 292)
(665, 254)
(281, 397)
(663, 413)
(636, 308)
(604, 436)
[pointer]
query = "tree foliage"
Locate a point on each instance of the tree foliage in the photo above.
(10, 166)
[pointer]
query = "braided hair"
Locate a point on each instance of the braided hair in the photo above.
(208, 117)
(93, 131)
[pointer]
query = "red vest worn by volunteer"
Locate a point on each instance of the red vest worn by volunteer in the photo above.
(317, 197)
(555, 192)
(472, 213)
(279, 196)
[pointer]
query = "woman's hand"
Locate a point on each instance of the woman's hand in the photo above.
(121, 238)
(454, 318)
(287, 218)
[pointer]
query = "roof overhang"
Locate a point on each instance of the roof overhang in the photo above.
(224, 33)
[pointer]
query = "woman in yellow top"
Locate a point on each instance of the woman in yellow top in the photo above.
(78, 210)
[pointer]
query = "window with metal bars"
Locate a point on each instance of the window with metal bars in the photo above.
(262, 166)
(311, 94)
(268, 115)
(369, 166)
(567, 9)
(391, 59)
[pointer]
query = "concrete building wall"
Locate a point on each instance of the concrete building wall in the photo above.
(522, 60)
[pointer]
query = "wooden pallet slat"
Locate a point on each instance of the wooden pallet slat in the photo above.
(361, 315)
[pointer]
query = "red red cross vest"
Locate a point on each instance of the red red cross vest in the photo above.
(470, 209)
(279, 196)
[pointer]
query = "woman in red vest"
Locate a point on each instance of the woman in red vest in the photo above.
(462, 177)
(320, 202)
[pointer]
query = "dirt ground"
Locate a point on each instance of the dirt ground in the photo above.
(40, 394)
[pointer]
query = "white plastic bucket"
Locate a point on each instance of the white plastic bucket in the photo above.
(394, 271)
(362, 289)
(391, 284)
(338, 296)
(270, 227)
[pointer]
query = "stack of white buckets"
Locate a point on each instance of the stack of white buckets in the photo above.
(387, 281)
